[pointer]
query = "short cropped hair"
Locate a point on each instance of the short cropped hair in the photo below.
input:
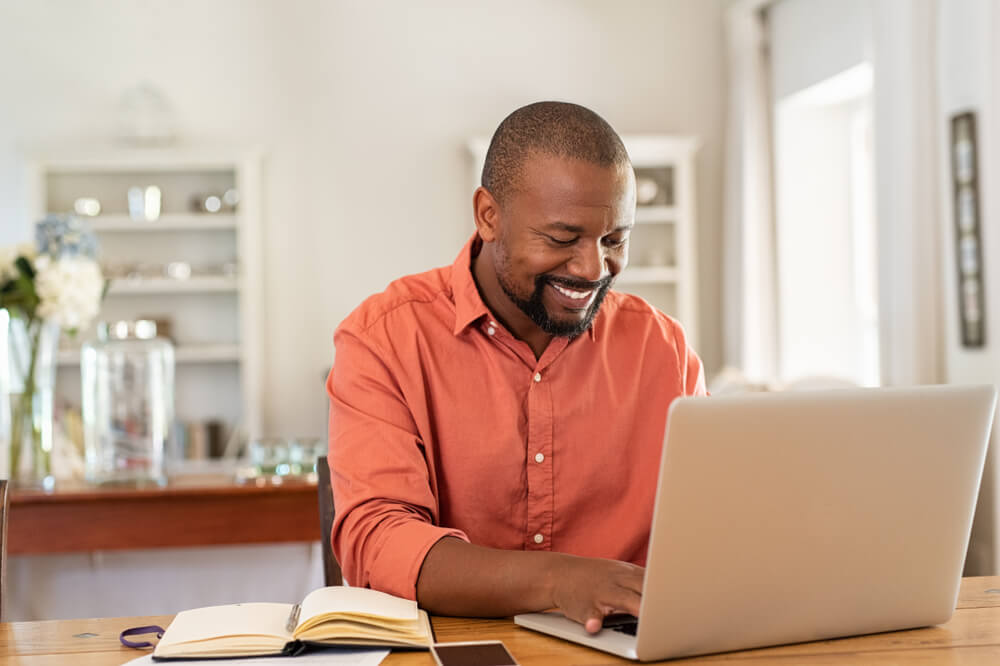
(559, 129)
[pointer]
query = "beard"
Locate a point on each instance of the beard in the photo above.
(539, 314)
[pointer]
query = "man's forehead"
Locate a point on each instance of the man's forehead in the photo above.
(555, 172)
(541, 158)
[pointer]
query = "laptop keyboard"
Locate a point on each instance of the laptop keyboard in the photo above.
(623, 623)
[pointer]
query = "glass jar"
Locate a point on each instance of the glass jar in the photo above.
(127, 381)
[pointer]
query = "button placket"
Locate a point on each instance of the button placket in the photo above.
(539, 467)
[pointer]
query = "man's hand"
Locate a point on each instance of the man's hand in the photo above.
(588, 589)
(458, 578)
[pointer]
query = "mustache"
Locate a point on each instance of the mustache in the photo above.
(575, 285)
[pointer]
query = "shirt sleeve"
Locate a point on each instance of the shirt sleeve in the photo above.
(386, 511)
(692, 371)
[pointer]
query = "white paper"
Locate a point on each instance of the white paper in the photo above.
(328, 657)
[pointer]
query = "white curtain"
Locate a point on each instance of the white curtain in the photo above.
(750, 335)
(907, 187)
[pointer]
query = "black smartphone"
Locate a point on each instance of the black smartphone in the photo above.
(472, 653)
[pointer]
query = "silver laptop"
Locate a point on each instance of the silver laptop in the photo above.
(794, 517)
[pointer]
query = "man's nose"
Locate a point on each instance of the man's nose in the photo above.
(590, 262)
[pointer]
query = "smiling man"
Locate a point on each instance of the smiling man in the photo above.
(496, 424)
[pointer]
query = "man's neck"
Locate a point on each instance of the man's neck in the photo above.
(505, 310)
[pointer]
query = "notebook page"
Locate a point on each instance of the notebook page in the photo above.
(263, 619)
(358, 600)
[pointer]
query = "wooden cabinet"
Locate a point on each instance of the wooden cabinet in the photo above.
(186, 513)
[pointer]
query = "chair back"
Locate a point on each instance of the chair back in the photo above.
(331, 569)
(4, 510)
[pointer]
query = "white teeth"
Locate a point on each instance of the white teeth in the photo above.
(578, 295)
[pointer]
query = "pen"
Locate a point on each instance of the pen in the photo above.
(293, 618)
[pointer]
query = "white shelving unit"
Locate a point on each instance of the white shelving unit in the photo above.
(663, 252)
(204, 284)
(215, 313)
(655, 214)
(185, 354)
(169, 222)
(649, 275)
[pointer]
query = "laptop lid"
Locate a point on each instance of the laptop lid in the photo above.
(792, 517)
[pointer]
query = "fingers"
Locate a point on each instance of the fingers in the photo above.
(629, 603)
(588, 589)
(634, 579)
(602, 601)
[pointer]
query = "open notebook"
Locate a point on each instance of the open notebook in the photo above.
(328, 616)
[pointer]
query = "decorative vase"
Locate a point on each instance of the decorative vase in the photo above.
(29, 383)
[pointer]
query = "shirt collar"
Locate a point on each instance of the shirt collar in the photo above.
(469, 306)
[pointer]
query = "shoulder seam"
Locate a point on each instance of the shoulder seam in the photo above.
(397, 306)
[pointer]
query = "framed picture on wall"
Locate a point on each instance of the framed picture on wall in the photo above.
(968, 239)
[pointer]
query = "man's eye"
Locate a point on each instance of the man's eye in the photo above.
(561, 241)
(615, 242)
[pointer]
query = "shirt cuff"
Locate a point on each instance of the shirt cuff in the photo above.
(397, 566)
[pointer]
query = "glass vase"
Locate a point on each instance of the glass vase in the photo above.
(29, 382)
(127, 376)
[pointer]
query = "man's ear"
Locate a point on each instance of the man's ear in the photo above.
(487, 213)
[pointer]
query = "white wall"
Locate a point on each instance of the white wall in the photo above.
(813, 40)
(363, 109)
(969, 79)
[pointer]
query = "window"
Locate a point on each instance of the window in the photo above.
(825, 232)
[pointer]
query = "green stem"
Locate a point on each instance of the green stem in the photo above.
(24, 410)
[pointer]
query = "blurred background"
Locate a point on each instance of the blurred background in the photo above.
(816, 178)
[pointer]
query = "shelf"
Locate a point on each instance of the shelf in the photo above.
(182, 354)
(656, 214)
(648, 275)
(171, 222)
(169, 286)
(98, 158)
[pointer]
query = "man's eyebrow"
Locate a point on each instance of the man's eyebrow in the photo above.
(565, 226)
(577, 229)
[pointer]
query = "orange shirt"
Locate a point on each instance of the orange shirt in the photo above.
(442, 423)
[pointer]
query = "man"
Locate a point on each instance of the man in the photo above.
(496, 424)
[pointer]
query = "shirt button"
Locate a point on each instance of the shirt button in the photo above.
(539, 457)
(538, 377)
(491, 330)
(539, 538)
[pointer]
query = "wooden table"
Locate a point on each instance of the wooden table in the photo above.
(203, 511)
(971, 637)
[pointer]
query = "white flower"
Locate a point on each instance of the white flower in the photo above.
(27, 250)
(69, 290)
(7, 269)
(9, 254)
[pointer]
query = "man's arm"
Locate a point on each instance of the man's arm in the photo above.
(459, 578)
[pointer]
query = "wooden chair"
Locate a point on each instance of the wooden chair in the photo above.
(4, 511)
(331, 569)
